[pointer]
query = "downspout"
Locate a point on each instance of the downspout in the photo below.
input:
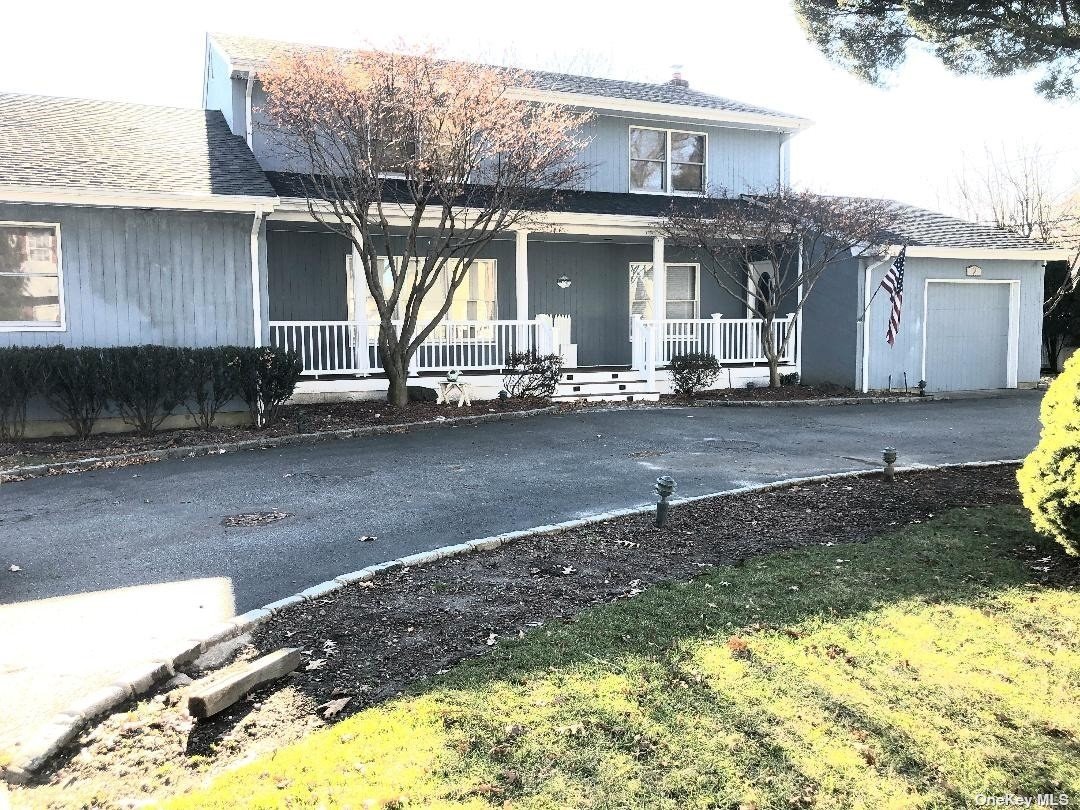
(867, 273)
(247, 107)
(256, 276)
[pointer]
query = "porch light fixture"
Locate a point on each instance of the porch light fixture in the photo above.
(563, 282)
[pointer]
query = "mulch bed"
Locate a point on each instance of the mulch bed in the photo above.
(785, 393)
(295, 419)
(372, 640)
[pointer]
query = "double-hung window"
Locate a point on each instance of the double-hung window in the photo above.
(682, 295)
(474, 300)
(667, 161)
(30, 287)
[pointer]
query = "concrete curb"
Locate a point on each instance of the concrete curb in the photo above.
(193, 451)
(825, 401)
(63, 728)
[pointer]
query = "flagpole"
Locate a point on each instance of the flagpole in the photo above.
(872, 268)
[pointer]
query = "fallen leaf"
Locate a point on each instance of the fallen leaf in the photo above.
(315, 663)
(332, 708)
(366, 538)
(15, 568)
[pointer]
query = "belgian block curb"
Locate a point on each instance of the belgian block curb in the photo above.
(59, 731)
(270, 442)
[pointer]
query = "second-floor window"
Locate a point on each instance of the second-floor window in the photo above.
(667, 161)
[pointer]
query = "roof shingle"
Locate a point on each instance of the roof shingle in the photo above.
(87, 144)
(252, 53)
(919, 226)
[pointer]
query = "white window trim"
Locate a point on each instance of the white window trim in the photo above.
(668, 190)
(18, 326)
(1012, 355)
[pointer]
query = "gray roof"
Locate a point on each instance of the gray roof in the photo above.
(919, 226)
(250, 53)
(90, 145)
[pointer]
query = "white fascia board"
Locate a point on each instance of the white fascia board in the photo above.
(107, 198)
(1047, 254)
(782, 123)
(295, 209)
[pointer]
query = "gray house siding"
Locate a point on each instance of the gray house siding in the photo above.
(221, 91)
(738, 160)
(830, 336)
(906, 354)
(130, 277)
(306, 272)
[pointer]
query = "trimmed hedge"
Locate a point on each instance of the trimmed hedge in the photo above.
(1050, 477)
(693, 372)
(145, 384)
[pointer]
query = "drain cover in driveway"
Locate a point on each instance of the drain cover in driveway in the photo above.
(254, 518)
(731, 445)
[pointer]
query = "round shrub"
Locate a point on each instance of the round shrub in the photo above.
(693, 372)
(1050, 476)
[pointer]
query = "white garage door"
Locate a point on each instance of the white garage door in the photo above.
(967, 336)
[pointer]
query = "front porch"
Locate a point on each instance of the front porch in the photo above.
(591, 298)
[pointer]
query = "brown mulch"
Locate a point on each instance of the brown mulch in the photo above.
(295, 419)
(373, 639)
(785, 393)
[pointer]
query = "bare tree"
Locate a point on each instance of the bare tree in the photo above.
(1020, 190)
(420, 162)
(799, 234)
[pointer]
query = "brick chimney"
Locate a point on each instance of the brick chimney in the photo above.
(677, 80)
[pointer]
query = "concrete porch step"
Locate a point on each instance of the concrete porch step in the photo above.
(640, 396)
(577, 376)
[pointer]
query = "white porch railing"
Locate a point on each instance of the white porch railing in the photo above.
(346, 347)
(730, 340)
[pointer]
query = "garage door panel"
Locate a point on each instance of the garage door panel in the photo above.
(967, 336)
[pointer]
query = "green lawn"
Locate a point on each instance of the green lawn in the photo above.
(917, 670)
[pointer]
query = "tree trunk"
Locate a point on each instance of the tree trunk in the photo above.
(397, 375)
(769, 348)
(1053, 353)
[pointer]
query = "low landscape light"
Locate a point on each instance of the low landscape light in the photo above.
(665, 487)
(888, 455)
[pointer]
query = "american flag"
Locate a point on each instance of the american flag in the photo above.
(893, 284)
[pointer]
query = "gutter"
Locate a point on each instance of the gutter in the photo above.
(867, 274)
(247, 107)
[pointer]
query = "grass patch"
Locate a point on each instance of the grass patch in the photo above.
(917, 670)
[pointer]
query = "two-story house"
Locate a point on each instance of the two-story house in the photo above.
(125, 224)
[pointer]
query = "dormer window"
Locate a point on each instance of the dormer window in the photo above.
(667, 161)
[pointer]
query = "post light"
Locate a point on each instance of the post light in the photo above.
(665, 486)
(888, 455)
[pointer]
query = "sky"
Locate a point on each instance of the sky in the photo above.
(906, 141)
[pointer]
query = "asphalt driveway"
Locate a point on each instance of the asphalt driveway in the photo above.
(118, 562)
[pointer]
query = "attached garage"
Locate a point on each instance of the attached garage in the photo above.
(970, 338)
(971, 317)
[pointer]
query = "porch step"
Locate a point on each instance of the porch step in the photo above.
(643, 396)
(602, 385)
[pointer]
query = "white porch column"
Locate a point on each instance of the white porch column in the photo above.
(659, 295)
(257, 277)
(360, 295)
(521, 287)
